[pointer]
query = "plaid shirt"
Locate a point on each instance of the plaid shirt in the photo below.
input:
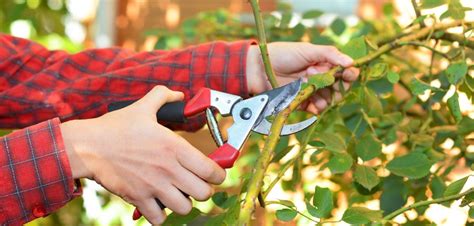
(42, 86)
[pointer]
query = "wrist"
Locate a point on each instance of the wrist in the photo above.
(256, 79)
(76, 138)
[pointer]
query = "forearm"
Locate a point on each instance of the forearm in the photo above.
(82, 85)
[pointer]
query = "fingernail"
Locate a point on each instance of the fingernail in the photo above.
(312, 71)
(347, 61)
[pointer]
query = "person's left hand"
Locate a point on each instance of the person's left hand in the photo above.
(292, 60)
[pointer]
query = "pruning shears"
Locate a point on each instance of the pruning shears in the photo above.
(248, 115)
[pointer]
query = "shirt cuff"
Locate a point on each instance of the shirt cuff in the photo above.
(36, 175)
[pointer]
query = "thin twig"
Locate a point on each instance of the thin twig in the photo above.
(262, 43)
(425, 203)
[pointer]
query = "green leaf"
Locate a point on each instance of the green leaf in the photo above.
(377, 71)
(340, 163)
(418, 87)
(333, 142)
(371, 103)
(453, 105)
(456, 72)
(366, 176)
(220, 198)
(361, 215)
(413, 165)
(338, 26)
(311, 209)
(312, 14)
(394, 194)
(355, 48)
(455, 187)
(285, 19)
(393, 77)
(471, 212)
(455, 10)
(176, 219)
(323, 201)
(466, 126)
(286, 203)
(419, 19)
(426, 4)
(321, 80)
(286, 214)
(437, 187)
(368, 147)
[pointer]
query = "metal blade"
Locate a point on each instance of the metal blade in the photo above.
(265, 125)
(280, 98)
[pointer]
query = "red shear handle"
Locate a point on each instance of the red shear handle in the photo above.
(198, 103)
(225, 156)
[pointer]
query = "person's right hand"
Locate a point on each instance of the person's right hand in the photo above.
(134, 157)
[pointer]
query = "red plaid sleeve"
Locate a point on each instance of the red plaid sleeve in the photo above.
(35, 177)
(37, 84)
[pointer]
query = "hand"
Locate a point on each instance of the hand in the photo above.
(292, 60)
(134, 157)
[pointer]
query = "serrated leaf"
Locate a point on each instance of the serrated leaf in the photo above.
(176, 219)
(286, 214)
(338, 26)
(321, 80)
(471, 212)
(413, 165)
(285, 19)
(466, 126)
(333, 142)
(456, 72)
(419, 19)
(455, 10)
(340, 163)
(371, 103)
(394, 194)
(312, 14)
(393, 77)
(323, 201)
(361, 215)
(317, 144)
(453, 105)
(368, 147)
(366, 177)
(427, 4)
(355, 48)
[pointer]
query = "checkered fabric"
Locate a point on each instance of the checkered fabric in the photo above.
(38, 85)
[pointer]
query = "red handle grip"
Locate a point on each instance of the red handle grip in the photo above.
(198, 103)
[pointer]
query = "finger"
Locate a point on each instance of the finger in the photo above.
(319, 102)
(195, 161)
(330, 54)
(350, 74)
(174, 199)
(193, 185)
(337, 96)
(326, 94)
(151, 211)
(314, 70)
(312, 108)
(158, 96)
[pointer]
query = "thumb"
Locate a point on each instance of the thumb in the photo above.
(158, 96)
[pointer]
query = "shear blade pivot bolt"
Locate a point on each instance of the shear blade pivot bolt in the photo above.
(245, 113)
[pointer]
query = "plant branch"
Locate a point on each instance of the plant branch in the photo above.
(255, 183)
(458, 38)
(435, 51)
(262, 43)
(417, 12)
(426, 203)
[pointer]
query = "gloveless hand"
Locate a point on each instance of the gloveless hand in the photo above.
(134, 157)
(293, 60)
